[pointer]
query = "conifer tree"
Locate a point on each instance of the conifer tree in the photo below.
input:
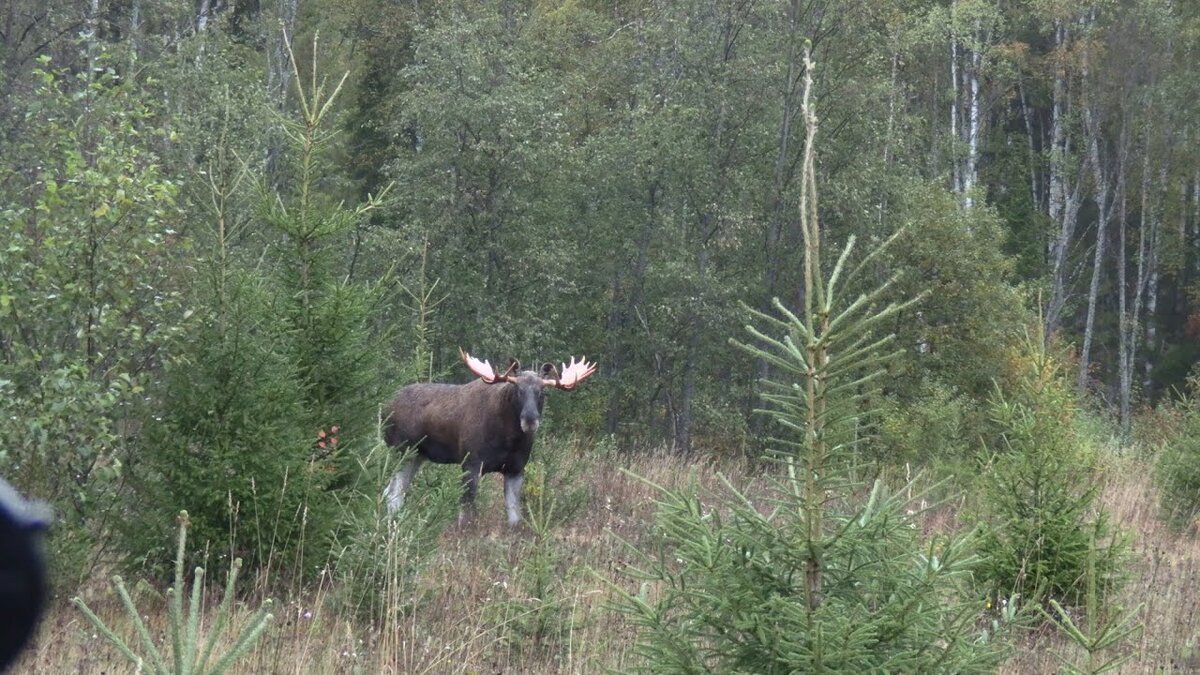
(819, 581)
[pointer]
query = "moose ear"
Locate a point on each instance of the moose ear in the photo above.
(549, 371)
(514, 367)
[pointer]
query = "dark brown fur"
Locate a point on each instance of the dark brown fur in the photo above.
(468, 424)
(482, 427)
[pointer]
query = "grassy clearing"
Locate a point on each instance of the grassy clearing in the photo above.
(1163, 577)
(482, 606)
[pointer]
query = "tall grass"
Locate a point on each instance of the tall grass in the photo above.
(472, 604)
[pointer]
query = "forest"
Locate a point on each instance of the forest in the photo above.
(895, 306)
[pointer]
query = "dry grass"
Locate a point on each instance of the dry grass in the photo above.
(471, 611)
(1163, 578)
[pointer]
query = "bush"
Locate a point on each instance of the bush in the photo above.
(1178, 469)
(932, 428)
(88, 301)
(234, 442)
(810, 579)
(376, 558)
(1039, 488)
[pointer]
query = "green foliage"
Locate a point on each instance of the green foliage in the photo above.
(88, 294)
(190, 654)
(278, 383)
(555, 491)
(1104, 626)
(961, 332)
(532, 611)
(726, 592)
(813, 579)
(930, 429)
(1178, 469)
(376, 558)
(1039, 488)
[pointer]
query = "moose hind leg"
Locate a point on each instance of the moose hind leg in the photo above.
(397, 487)
(512, 497)
(470, 479)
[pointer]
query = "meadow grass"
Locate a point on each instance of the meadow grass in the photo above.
(485, 602)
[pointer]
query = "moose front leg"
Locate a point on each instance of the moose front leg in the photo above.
(512, 497)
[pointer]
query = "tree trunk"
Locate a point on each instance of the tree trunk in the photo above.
(1104, 214)
(956, 177)
(1065, 199)
(91, 31)
(1152, 259)
(1126, 324)
(202, 15)
(971, 171)
(279, 78)
(615, 327)
(621, 319)
(1034, 178)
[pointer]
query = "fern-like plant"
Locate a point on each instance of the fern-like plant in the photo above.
(190, 656)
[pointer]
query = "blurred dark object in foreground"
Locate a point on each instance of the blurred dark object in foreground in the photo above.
(22, 570)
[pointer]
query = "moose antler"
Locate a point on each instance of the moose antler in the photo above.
(572, 374)
(482, 368)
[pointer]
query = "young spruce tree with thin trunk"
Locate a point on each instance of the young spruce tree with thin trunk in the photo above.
(813, 579)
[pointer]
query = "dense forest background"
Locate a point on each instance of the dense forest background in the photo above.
(231, 228)
(614, 178)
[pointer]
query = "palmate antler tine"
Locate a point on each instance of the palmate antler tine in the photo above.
(575, 372)
(481, 368)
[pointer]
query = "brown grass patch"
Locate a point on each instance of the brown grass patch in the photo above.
(471, 599)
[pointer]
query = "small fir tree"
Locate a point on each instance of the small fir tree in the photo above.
(1177, 471)
(1048, 538)
(280, 379)
(809, 580)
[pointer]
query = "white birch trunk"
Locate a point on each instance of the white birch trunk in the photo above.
(1064, 199)
(279, 78)
(1152, 259)
(1027, 115)
(1103, 215)
(202, 14)
(956, 177)
(1196, 217)
(91, 30)
(971, 173)
(1126, 324)
(1130, 330)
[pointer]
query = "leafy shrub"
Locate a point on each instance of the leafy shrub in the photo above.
(532, 611)
(88, 302)
(555, 490)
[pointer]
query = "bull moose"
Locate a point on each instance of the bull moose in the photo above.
(486, 425)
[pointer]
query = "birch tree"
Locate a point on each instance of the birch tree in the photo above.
(1065, 193)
